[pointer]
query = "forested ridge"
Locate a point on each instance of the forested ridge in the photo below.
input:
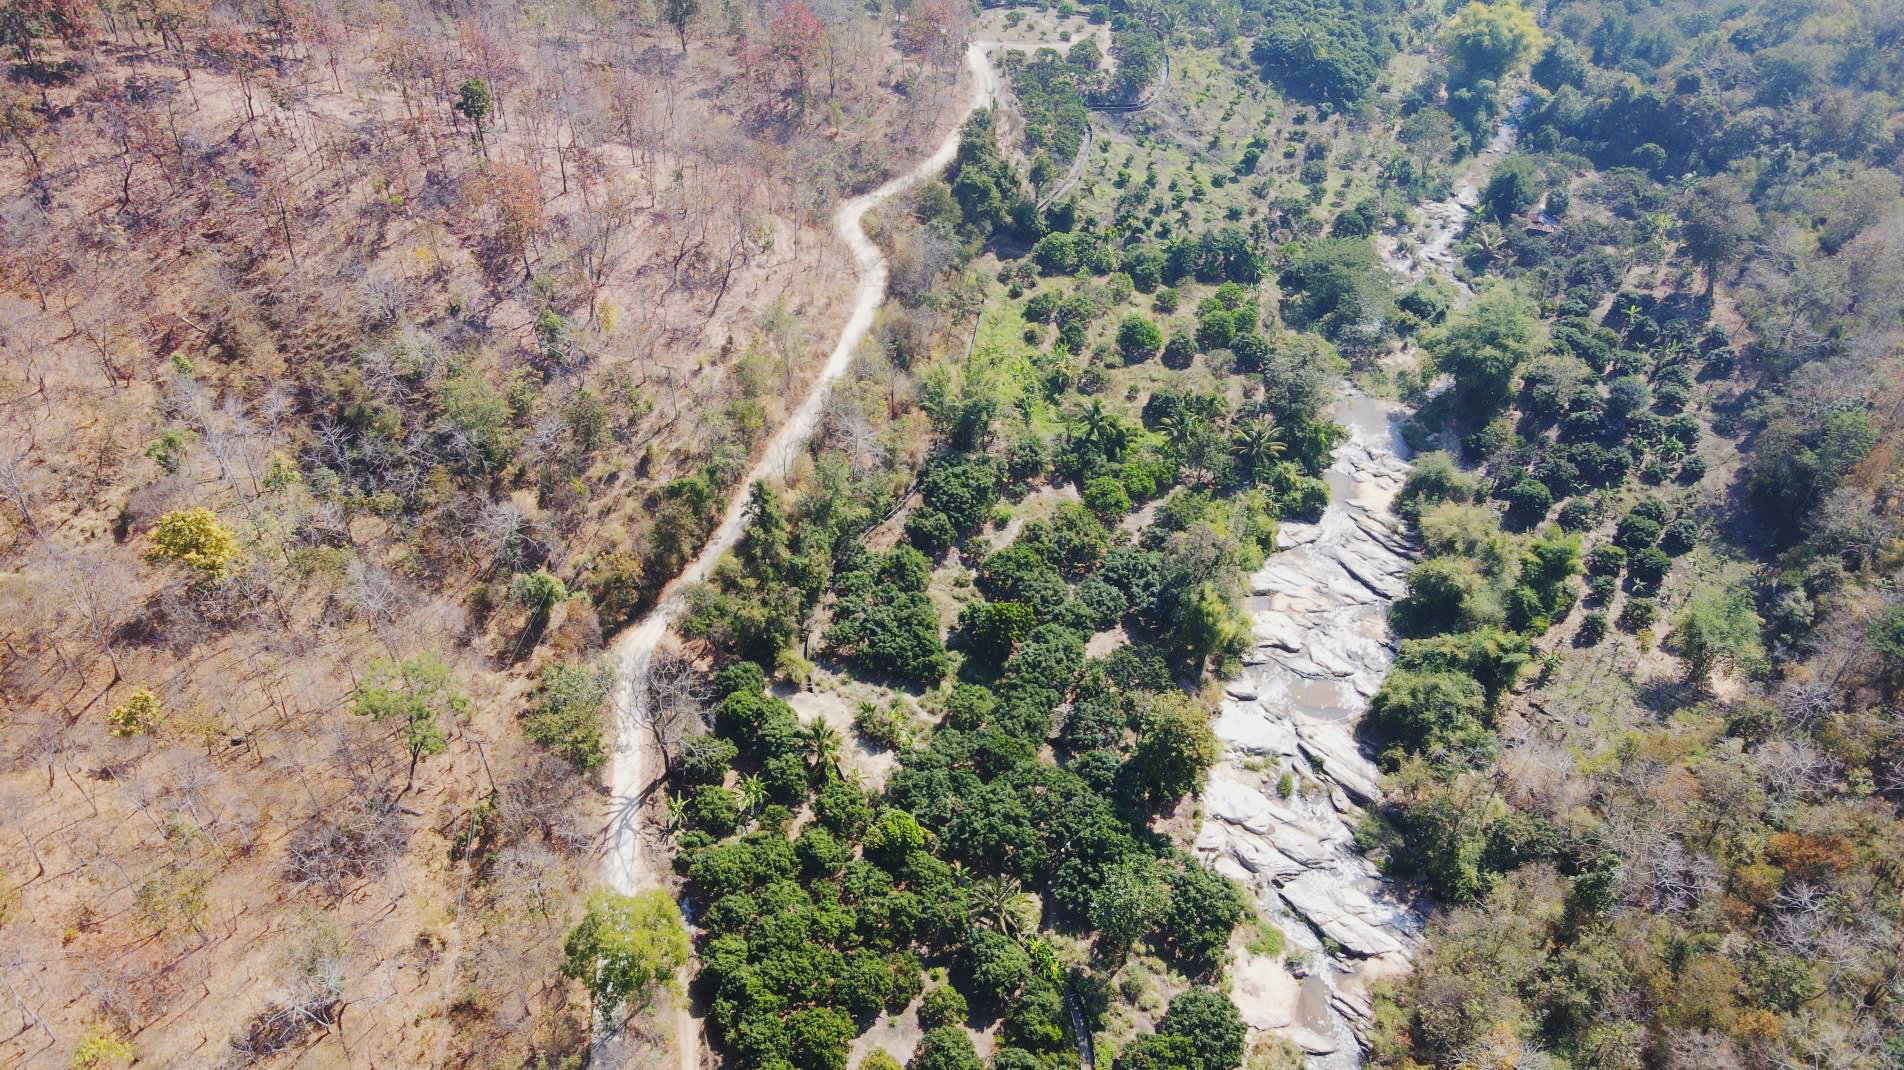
(370, 369)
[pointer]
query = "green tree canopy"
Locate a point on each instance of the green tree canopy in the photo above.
(1175, 746)
(625, 947)
(1138, 339)
(1484, 348)
(1513, 188)
(1717, 627)
(1488, 41)
(417, 697)
(1209, 1022)
(945, 1048)
(1128, 904)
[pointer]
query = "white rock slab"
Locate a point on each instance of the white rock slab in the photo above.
(1337, 909)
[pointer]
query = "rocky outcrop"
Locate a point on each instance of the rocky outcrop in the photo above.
(1280, 810)
(1320, 621)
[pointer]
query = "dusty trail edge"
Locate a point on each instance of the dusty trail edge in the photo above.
(635, 767)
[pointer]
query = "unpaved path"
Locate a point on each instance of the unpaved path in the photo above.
(635, 767)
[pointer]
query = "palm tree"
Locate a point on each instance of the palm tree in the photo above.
(752, 792)
(1103, 431)
(1257, 445)
(1629, 318)
(677, 811)
(1000, 903)
(823, 747)
(1177, 427)
(1490, 241)
(1062, 376)
(1672, 351)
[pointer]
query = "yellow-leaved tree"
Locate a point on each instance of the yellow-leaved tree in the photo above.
(195, 538)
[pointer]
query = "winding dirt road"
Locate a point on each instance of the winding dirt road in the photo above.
(635, 768)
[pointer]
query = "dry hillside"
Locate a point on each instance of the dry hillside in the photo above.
(375, 359)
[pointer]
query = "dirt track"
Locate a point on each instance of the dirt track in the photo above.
(635, 767)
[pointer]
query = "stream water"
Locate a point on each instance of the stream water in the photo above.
(1428, 246)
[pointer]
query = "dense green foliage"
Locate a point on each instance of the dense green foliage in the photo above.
(1652, 849)
(1324, 49)
(1639, 737)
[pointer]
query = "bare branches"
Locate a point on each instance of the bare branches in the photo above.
(670, 700)
(333, 852)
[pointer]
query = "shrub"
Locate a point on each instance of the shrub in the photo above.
(705, 759)
(1649, 567)
(1107, 497)
(712, 809)
(139, 714)
(1180, 351)
(928, 531)
(1606, 560)
(942, 1006)
(1639, 613)
(946, 1048)
(741, 677)
(1106, 603)
(1680, 536)
(1528, 501)
(1650, 509)
(1593, 628)
(1138, 339)
(1577, 514)
(963, 489)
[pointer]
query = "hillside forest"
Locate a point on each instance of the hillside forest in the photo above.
(1349, 533)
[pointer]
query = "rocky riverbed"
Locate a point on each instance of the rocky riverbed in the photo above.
(1428, 246)
(1281, 807)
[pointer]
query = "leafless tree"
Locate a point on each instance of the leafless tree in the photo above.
(377, 598)
(17, 982)
(15, 491)
(1659, 874)
(529, 877)
(335, 850)
(501, 536)
(1805, 703)
(101, 587)
(670, 700)
(540, 802)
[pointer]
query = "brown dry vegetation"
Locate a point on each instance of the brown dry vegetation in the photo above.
(255, 261)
